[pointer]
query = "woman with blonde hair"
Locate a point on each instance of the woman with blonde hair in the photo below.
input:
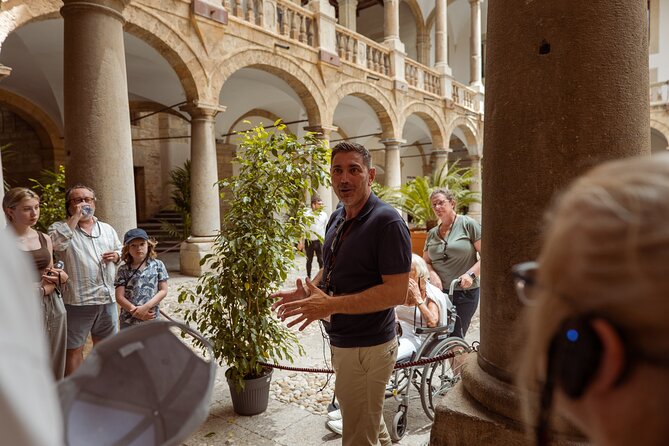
(21, 207)
(597, 326)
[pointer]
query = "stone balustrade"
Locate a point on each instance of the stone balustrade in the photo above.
(422, 77)
(293, 22)
(465, 97)
(659, 93)
(282, 17)
(357, 49)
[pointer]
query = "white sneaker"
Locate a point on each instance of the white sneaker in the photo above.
(336, 426)
(334, 415)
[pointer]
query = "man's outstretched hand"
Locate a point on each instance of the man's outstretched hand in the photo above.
(307, 304)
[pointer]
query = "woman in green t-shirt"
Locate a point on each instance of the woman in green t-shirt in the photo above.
(452, 252)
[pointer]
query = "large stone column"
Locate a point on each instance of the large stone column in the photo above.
(441, 38)
(475, 186)
(205, 211)
(440, 157)
(423, 47)
(391, 20)
(325, 192)
(549, 117)
(393, 165)
(348, 13)
(96, 112)
(475, 44)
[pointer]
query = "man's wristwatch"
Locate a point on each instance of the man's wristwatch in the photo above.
(472, 274)
(420, 302)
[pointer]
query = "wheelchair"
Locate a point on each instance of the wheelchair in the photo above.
(432, 380)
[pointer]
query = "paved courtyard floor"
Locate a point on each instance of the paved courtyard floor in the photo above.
(296, 414)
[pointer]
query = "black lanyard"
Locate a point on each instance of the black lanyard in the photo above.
(135, 271)
(340, 235)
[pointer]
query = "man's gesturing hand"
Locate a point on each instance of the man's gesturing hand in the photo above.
(309, 306)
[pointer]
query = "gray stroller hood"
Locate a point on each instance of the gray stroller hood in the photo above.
(143, 386)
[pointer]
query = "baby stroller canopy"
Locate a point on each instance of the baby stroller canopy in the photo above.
(143, 386)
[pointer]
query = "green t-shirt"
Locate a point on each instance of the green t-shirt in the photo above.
(460, 251)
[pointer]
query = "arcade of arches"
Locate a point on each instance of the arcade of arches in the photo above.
(123, 91)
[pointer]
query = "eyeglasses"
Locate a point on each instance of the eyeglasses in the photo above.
(88, 200)
(524, 278)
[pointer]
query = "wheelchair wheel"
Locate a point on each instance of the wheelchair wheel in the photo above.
(399, 428)
(439, 377)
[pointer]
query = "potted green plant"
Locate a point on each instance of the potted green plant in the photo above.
(252, 257)
(413, 197)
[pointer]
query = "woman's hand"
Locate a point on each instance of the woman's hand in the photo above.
(466, 281)
(413, 294)
(55, 276)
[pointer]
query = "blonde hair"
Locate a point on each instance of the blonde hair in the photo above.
(14, 196)
(606, 251)
(150, 252)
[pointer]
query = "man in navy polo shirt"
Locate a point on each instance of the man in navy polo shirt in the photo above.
(367, 259)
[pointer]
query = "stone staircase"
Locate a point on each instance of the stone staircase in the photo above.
(153, 227)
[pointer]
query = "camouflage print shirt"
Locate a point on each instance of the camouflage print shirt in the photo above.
(140, 287)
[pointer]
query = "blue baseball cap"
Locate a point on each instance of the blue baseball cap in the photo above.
(133, 234)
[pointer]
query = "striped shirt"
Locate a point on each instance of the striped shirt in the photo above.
(91, 280)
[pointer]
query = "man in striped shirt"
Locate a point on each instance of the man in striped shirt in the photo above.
(90, 250)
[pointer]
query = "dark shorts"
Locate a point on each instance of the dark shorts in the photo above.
(100, 321)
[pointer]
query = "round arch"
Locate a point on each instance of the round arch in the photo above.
(21, 15)
(46, 128)
(173, 47)
(470, 131)
(310, 92)
(254, 112)
(417, 14)
(375, 98)
(426, 113)
(660, 127)
(150, 28)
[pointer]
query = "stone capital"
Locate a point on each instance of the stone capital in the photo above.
(113, 8)
(441, 151)
(392, 143)
(198, 109)
(473, 2)
(322, 131)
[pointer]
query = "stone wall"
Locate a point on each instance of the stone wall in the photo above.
(23, 156)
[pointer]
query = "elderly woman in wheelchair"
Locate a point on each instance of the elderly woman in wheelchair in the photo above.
(425, 322)
(425, 306)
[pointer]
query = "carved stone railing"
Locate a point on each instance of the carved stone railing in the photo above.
(659, 93)
(421, 77)
(465, 97)
(282, 17)
(359, 50)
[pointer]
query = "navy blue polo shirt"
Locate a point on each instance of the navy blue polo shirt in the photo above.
(373, 244)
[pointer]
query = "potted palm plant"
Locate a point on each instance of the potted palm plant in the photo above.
(413, 197)
(252, 257)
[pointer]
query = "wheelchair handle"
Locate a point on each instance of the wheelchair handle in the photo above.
(451, 288)
(424, 330)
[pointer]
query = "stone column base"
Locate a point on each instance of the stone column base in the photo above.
(192, 251)
(460, 420)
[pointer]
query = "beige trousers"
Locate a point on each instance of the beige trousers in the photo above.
(361, 376)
